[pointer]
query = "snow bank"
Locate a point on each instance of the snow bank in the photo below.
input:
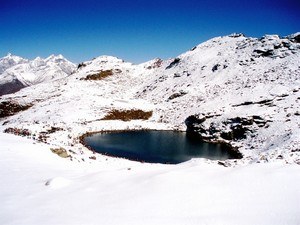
(134, 193)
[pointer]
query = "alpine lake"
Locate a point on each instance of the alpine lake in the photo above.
(153, 146)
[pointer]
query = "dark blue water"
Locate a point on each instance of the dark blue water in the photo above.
(156, 146)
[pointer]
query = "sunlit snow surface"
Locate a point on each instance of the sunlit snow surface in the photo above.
(38, 187)
(30, 72)
(243, 75)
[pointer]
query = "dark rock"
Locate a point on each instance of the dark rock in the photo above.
(11, 87)
(8, 108)
(213, 129)
(262, 102)
(264, 53)
(240, 120)
(236, 35)
(173, 63)
(118, 71)
(222, 164)
(80, 65)
(286, 44)
(247, 122)
(227, 135)
(277, 46)
(185, 72)
(193, 124)
(215, 67)
(235, 120)
(156, 64)
(177, 95)
(259, 121)
(244, 103)
(237, 132)
(18, 132)
(297, 38)
(194, 120)
(257, 117)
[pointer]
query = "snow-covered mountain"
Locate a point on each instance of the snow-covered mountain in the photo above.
(10, 61)
(235, 89)
(16, 72)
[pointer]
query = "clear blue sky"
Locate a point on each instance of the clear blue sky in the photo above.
(136, 30)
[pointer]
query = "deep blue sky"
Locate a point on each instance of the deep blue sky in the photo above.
(136, 30)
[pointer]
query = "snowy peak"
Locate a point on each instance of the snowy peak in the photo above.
(104, 60)
(16, 70)
(10, 60)
(103, 63)
(237, 47)
(56, 59)
(108, 59)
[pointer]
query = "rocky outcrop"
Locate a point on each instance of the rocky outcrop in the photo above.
(173, 63)
(9, 108)
(232, 129)
(11, 87)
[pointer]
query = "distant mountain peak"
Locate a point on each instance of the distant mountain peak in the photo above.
(107, 58)
(12, 56)
(16, 72)
(52, 56)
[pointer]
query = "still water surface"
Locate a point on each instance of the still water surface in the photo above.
(156, 146)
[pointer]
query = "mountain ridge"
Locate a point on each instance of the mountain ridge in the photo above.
(235, 89)
(17, 72)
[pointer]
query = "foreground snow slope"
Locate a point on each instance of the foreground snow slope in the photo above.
(241, 90)
(38, 187)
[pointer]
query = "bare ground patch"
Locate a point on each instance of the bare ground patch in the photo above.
(127, 115)
(9, 108)
(101, 75)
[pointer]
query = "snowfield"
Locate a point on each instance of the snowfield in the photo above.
(234, 89)
(38, 187)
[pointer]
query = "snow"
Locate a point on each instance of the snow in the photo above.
(39, 187)
(35, 71)
(241, 75)
(10, 60)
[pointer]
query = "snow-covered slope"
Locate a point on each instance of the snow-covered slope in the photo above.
(232, 80)
(38, 187)
(244, 91)
(16, 72)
